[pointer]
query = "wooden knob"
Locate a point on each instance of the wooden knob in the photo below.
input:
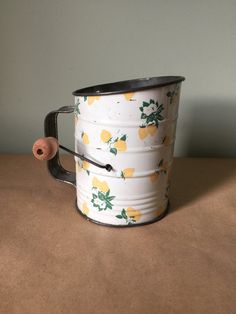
(45, 148)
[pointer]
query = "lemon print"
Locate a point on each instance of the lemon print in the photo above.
(120, 145)
(85, 165)
(130, 215)
(96, 183)
(133, 213)
(151, 129)
(91, 99)
(142, 132)
(85, 138)
(105, 136)
(128, 96)
(154, 176)
(85, 209)
(114, 144)
(102, 186)
(127, 173)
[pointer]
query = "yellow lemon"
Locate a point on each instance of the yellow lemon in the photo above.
(105, 136)
(133, 213)
(85, 138)
(142, 132)
(91, 99)
(85, 165)
(151, 129)
(85, 209)
(96, 183)
(128, 172)
(154, 176)
(128, 96)
(102, 186)
(120, 145)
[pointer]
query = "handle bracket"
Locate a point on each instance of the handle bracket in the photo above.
(54, 165)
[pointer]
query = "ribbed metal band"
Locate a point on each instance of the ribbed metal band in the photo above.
(124, 226)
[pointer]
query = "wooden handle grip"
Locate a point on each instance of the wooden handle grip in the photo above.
(45, 148)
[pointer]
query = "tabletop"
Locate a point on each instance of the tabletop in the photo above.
(54, 261)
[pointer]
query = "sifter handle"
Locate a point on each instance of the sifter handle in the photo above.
(50, 130)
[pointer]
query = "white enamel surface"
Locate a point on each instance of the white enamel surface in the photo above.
(141, 159)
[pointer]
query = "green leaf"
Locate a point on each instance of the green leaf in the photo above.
(85, 98)
(101, 196)
(109, 205)
(94, 195)
(168, 94)
(119, 216)
(160, 118)
(113, 151)
(123, 213)
(110, 198)
(150, 118)
(123, 138)
(107, 193)
(152, 101)
(143, 116)
(141, 109)
(88, 172)
(122, 175)
(95, 205)
(145, 104)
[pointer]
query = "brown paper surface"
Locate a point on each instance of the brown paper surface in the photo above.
(54, 261)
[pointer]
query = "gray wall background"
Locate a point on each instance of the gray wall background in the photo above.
(51, 47)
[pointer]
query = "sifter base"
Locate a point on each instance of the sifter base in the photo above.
(123, 226)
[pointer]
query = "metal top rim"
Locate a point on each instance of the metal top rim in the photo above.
(128, 86)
